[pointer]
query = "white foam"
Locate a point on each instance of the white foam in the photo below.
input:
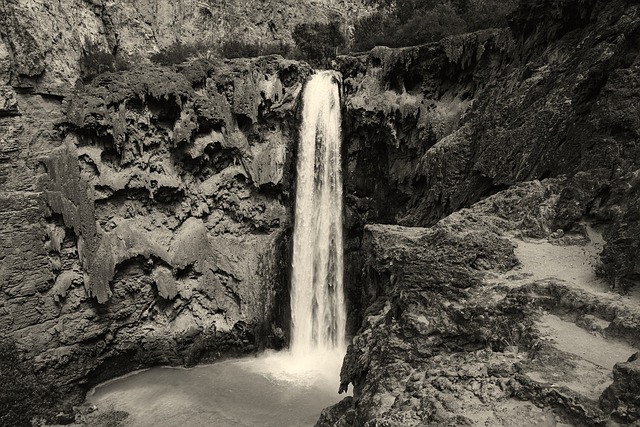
(322, 369)
(318, 313)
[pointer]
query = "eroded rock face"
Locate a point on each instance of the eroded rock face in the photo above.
(434, 128)
(450, 333)
(149, 217)
(41, 43)
(622, 397)
(147, 213)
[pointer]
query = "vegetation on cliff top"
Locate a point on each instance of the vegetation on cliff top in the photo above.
(411, 22)
(394, 24)
(315, 42)
(97, 60)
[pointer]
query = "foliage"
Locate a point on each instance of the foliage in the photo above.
(23, 396)
(178, 52)
(374, 30)
(410, 22)
(318, 43)
(241, 49)
(96, 61)
(430, 25)
(488, 13)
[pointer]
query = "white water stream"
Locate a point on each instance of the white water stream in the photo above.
(317, 298)
(282, 389)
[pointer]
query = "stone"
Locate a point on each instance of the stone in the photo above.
(622, 398)
(133, 240)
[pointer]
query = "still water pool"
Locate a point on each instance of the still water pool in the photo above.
(271, 390)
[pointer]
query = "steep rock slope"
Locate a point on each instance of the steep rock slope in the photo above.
(459, 332)
(435, 128)
(147, 217)
(42, 42)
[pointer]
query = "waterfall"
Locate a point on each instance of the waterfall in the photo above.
(318, 313)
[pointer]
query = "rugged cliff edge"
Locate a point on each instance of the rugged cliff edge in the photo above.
(455, 121)
(147, 218)
(466, 326)
(550, 102)
(41, 43)
(147, 213)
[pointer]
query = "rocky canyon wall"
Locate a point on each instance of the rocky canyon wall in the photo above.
(434, 128)
(147, 217)
(42, 42)
(147, 214)
(534, 129)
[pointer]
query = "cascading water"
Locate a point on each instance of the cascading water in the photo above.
(284, 389)
(317, 298)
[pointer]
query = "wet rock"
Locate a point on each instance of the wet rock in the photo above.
(339, 415)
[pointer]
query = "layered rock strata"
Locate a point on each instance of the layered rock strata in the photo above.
(455, 327)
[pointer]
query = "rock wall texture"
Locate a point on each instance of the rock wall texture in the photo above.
(535, 129)
(42, 42)
(147, 217)
(451, 334)
(434, 128)
(147, 214)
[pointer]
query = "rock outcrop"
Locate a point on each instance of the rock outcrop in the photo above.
(453, 333)
(147, 217)
(434, 128)
(622, 397)
(42, 43)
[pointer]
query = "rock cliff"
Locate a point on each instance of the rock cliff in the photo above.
(459, 330)
(147, 217)
(433, 129)
(42, 42)
(147, 214)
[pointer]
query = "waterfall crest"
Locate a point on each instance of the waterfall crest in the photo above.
(318, 314)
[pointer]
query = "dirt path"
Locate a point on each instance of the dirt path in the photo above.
(581, 354)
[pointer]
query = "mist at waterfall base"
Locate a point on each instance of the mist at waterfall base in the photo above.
(287, 388)
(232, 393)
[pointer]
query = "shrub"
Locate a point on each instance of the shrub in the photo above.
(23, 396)
(179, 52)
(429, 26)
(318, 43)
(95, 61)
(374, 30)
(411, 22)
(480, 14)
(241, 49)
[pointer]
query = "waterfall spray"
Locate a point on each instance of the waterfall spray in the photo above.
(318, 314)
